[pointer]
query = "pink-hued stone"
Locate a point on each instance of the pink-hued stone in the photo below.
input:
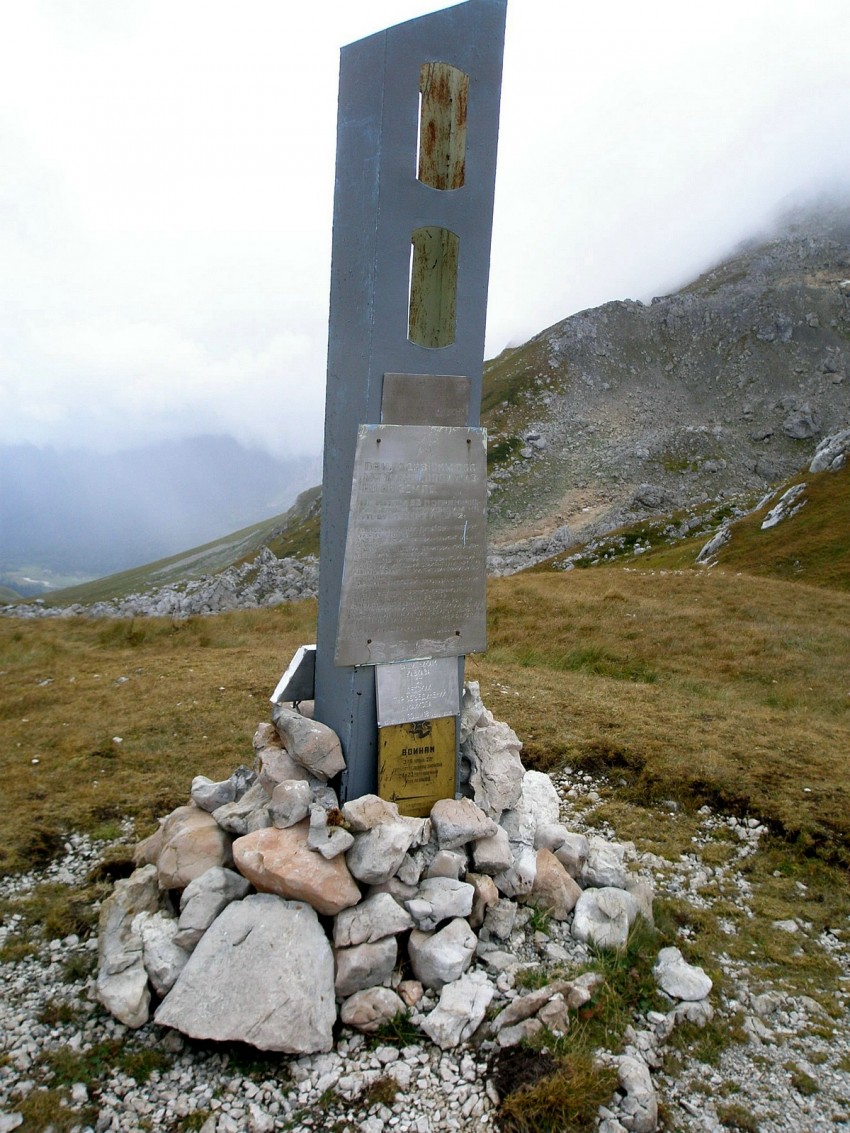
(553, 890)
(280, 861)
(191, 842)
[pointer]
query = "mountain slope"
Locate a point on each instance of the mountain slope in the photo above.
(722, 388)
(82, 513)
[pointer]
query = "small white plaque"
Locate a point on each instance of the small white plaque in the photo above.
(417, 690)
(299, 680)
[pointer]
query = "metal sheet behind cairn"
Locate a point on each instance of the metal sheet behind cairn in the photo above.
(413, 581)
(417, 690)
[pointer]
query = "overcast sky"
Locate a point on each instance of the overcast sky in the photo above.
(166, 184)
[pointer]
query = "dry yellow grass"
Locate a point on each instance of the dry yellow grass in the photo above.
(184, 698)
(699, 686)
(713, 687)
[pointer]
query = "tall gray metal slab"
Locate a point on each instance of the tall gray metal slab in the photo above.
(378, 203)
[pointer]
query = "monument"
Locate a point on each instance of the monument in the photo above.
(403, 528)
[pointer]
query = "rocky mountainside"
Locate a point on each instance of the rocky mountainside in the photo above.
(722, 388)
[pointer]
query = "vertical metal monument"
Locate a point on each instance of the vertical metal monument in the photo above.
(403, 535)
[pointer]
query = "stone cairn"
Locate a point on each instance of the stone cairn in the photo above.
(263, 911)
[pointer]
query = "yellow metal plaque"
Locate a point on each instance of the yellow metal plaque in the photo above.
(416, 764)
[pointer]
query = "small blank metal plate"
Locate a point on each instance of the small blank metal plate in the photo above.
(425, 399)
(299, 680)
(417, 690)
(413, 581)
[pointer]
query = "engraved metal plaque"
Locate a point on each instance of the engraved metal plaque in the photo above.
(417, 690)
(416, 764)
(413, 582)
(425, 399)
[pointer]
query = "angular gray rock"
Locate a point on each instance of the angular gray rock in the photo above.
(601, 917)
(364, 965)
(367, 1010)
(518, 880)
(460, 1011)
(377, 853)
(209, 796)
(313, 745)
(459, 821)
(500, 918)
(163, 957)
(639, 1107)
(374, 918)
(441, 957)
(572, 854)
(495, 768)
(493, 855)
(122, 982)
(271, 966)
(678, 978)
(439, 899)
(368, 811)
(277, 766)
(541, 797)
(203, 899)
(290, 802)
(247, 813)
(604, 865)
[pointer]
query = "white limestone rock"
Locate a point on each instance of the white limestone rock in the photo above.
(209, 796)
(460, 1011)
(368, 1010)
(250, 812)
(572, 854)
(495, 769)
(162, 956)
(441, 957)
(541, 797)
(438, 899)
(203, 899)
(601, 917)
(122, 982)
(368, 811)
(472, 713)
(364, 965)
(604, 865)
(379, 915)
(493, 855)
(518, 880)
(639, 1108)
(499, 920)
(377, 853)
(311, 744)
(271, 966)
(678, 978)
(457, 822)
(290, 802)
(330, 840)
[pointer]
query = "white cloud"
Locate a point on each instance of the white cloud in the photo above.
(167, 177)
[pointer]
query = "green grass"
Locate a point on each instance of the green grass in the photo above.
(812, 546)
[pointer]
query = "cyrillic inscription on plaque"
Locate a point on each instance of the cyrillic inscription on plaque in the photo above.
(417, 690)
(416, 764)
(413, 581)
